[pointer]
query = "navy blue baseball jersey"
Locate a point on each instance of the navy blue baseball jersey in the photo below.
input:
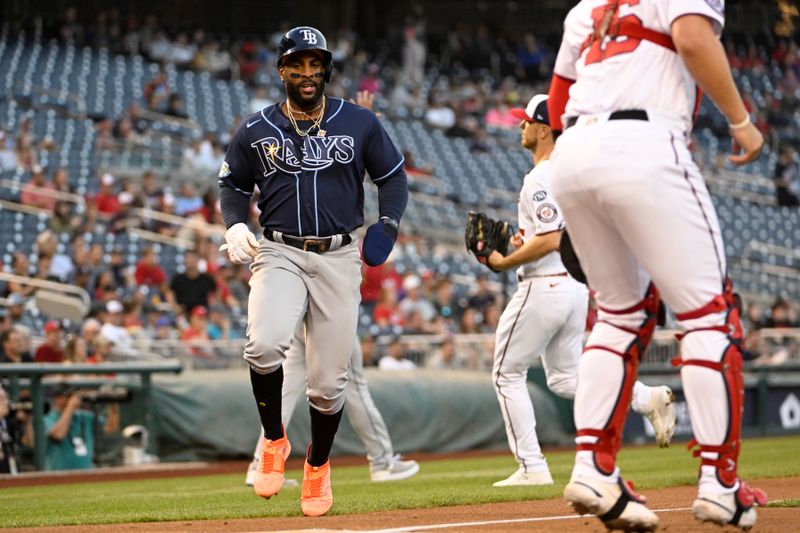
(313, 185)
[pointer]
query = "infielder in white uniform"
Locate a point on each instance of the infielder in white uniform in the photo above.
(625, 86)
(359, 407)
(546, 316)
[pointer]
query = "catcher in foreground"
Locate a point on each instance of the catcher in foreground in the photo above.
(640, 216)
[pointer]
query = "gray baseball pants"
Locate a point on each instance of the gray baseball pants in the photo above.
(292, 287)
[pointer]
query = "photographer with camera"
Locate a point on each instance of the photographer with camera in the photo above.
(70, 429)
(13, 425)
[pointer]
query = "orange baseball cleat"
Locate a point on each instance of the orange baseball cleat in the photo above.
(269, 476)
(316, 496)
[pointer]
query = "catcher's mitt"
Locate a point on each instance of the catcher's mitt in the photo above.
(483, 235)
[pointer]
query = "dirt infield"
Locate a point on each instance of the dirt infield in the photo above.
(548, 515)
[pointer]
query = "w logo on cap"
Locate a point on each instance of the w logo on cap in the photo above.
(309, 36)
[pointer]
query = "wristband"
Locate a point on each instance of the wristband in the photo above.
(391, 222)
(741, 125)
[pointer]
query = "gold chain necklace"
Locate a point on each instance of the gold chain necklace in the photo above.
(315, 124)
(306, 113)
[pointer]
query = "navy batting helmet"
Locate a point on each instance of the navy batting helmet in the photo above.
(306, 38)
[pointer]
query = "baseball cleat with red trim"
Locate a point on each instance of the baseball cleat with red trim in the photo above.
(735, 508)
(615, 504)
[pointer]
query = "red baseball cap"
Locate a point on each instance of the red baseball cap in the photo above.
(199, 310)
(52, 325)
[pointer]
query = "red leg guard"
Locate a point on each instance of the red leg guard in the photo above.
(609, 439)
(730, 365)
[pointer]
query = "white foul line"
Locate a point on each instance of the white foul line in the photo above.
(495, 522)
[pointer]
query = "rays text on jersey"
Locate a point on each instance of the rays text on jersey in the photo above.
(316, 153)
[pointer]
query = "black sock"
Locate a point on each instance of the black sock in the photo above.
(323, 430)
(267, 390)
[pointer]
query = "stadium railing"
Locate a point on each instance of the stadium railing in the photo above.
(53, 298)
(70, 104)
(790, 256)
(195, 354)
(476, 350)
(184, 223)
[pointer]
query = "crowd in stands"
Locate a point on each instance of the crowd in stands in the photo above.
(772, 349)
(787, 178)
(458, 80)
(768, 74)
(463, 82)
(130, 301)
(425, 303)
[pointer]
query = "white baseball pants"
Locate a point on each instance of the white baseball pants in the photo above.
(545, 316)
(638, 210)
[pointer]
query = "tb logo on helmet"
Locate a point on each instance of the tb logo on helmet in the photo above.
(306, 38)
(309, 36)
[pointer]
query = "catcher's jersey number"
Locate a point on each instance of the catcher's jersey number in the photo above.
(605, 17)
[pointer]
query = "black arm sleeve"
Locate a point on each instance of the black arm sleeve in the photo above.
(235, 206)
(393, 196)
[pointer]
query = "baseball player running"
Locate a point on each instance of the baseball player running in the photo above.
(365, 418)
(308, 156)
(625, 84)
(359, 406)
(546, 315)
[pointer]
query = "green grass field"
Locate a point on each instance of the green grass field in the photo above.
(439, 483)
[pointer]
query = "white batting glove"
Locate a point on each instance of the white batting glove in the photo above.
(240, 243)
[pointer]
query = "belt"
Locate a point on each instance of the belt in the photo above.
(559, 275)
(318, 245)
(624, 114)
